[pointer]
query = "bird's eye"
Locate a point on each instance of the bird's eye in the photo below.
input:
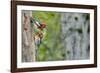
(31, 21)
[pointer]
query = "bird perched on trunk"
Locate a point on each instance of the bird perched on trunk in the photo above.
(38, 30)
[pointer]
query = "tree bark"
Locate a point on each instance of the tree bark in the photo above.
(28, 47)
(75, 27)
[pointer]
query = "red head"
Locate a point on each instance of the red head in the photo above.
(43, 25)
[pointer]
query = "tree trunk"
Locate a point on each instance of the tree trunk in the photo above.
(28, 47)
(75, 26)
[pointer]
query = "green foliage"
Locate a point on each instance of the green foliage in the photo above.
(52, 46)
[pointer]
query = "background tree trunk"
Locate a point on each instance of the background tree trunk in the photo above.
(75, 28)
